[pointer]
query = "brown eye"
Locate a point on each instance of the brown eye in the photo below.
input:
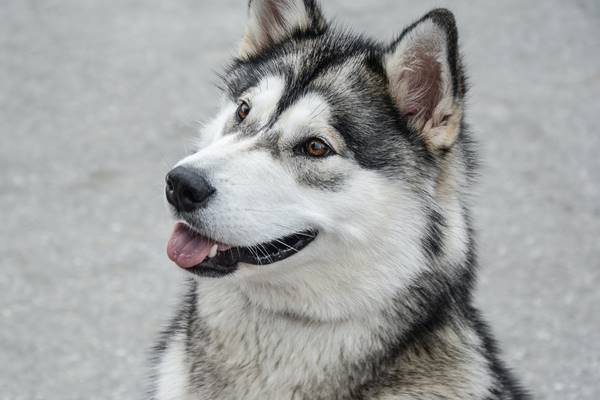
(242, 111)
(316, 148)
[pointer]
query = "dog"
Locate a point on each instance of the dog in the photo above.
(324, 222)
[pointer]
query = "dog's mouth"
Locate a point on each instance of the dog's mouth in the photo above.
(206, 257)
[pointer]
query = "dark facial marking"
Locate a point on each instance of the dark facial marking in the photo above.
(432, 241)
(321, 179)
(270, 143)
(374, 132)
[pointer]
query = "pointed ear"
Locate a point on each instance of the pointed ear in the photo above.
(425, 78)
(272, 21)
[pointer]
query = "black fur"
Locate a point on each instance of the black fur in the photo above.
(438, 299)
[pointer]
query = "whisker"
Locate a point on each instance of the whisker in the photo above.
(286, 245)
(265, 252)
(252, 250)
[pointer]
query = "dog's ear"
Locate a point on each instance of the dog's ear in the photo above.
(272, 21)
(426, 80)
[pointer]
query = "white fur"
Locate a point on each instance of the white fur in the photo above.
(259, 199)
(171, 372)
(257, 340)
(341, 281)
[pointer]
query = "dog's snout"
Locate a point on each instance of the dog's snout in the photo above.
(187, 190)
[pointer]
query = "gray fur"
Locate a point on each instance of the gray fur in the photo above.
(329, 323)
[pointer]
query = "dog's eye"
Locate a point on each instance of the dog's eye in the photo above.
(242, 111)
(316, 147)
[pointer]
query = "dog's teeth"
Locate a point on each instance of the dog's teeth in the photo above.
(213, 251)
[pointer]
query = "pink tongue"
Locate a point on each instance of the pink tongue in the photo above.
(186, 248)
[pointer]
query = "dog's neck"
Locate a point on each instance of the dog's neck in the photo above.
(247, 341)
(253, 344)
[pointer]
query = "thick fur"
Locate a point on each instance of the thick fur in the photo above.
(379, 305)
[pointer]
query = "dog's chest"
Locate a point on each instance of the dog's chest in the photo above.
(237, 351)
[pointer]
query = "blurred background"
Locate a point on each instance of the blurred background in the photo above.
(99, 98)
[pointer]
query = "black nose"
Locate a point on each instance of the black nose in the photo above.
(187, 190)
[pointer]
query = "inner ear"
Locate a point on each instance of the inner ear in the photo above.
(423, 73)
(419, 86)
(273, 21)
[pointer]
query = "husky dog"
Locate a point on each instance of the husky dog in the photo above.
(324, 222)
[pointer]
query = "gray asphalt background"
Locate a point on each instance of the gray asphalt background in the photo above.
(99, 98)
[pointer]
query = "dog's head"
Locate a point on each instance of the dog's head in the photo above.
(332, 156)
